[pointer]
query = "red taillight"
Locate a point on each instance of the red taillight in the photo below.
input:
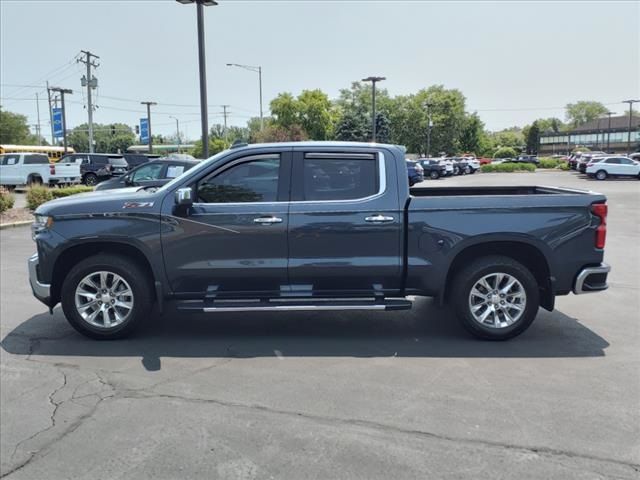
(600, 211)
(52, 169)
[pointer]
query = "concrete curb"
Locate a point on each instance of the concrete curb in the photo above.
(15, 224)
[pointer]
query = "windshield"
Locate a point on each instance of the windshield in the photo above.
(202, 165)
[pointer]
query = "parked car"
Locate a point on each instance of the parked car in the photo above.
(96, 167)
(473, 163)
(463, 167)
(315, 226)
(605, 167)
(151, 174)
(586, 159)
(18, 169)
(415, 172)
(433, 168)
(135, 159)
(575, 158)
(485, 161)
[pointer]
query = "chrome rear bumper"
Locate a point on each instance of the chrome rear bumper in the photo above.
(592, 279)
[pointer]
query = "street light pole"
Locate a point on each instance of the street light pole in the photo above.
(204, 116)
(258, 70)
(177, 131)
(150, 141)
(373, 81)
(609, 131)
(428, 106)
(630, 102)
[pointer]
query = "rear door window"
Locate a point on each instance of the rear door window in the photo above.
(329, 177)
(36, 159)
(613, 161)
(118, 162)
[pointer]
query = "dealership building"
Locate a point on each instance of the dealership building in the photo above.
(609, 135)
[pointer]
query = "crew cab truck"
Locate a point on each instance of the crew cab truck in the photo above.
(315, 226)
(18, 169)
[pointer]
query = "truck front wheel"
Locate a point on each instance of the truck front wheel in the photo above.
(495, 297)
(106, 296)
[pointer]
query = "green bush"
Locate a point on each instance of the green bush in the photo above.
(65, 192)
(6, 200)
(36, 196)
(550, 162)
(505, 152)
(508, 167)
(564, 166)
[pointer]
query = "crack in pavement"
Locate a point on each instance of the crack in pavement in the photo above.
(138, 394)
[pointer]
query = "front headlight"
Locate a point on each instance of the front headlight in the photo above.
(40, 224)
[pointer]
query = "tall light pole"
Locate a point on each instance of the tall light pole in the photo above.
(177, 131)
(609, 131)
(630, 102)
(428, 107)
(373, 81)
(257, 70)
(150, 141)
(204, 120)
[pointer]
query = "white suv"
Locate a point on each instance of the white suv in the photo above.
(604, 167)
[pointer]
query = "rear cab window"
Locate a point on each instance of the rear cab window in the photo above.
(331, 176)
(36, 159)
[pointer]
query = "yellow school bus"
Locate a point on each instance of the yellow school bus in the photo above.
(54, 153)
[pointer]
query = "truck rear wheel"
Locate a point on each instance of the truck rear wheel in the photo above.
(495, 297)
(106, 296)
(90, 179)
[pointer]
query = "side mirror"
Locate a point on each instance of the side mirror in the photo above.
(184, 197)
(127, 179)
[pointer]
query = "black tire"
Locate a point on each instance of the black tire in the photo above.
(434, 175)
(601, 175)
(90, 179)
(34, 181)
(139, 282)
(467, 278)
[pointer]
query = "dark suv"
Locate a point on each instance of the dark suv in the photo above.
(96, 167)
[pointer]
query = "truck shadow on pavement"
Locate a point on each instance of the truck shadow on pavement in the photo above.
(426, 331)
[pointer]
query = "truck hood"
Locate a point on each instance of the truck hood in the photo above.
(125, 199)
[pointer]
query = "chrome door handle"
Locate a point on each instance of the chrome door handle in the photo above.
(267, 220)
(379, 219)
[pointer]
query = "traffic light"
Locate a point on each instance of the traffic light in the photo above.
(113, 129)
(137, 129)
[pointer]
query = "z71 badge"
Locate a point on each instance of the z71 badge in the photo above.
(137, 205)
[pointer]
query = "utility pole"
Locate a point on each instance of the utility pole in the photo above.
(224, 113)
(62, 91)
(609, 131)
(148, 104)
(177, 130)
(38, 126)
(428, 106)
(373, 81)
(90, 82)
(630, 102)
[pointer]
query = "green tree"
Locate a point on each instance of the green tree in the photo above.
(583, 112)
(276, 133)
(505, 152)
(285, 110)
(471, 134)
(532, 136)
(383, 132)
(352, 127)
(216, 145)
(112, 138)
(315, 114)
(509, 137)
(14, 129)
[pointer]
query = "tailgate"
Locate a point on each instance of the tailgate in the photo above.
(66, 171)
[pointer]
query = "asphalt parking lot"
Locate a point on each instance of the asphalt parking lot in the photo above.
(331, 395)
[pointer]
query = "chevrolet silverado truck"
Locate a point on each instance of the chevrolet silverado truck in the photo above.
(18, 169)
(315, 226)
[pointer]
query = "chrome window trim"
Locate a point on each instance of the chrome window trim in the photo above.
(382, 172)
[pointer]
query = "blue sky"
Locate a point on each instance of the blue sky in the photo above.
(514, 61)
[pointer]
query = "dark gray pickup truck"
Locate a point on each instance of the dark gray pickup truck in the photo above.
(315, 226)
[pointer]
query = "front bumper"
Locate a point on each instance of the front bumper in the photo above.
(592, 279)
(41, 291)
